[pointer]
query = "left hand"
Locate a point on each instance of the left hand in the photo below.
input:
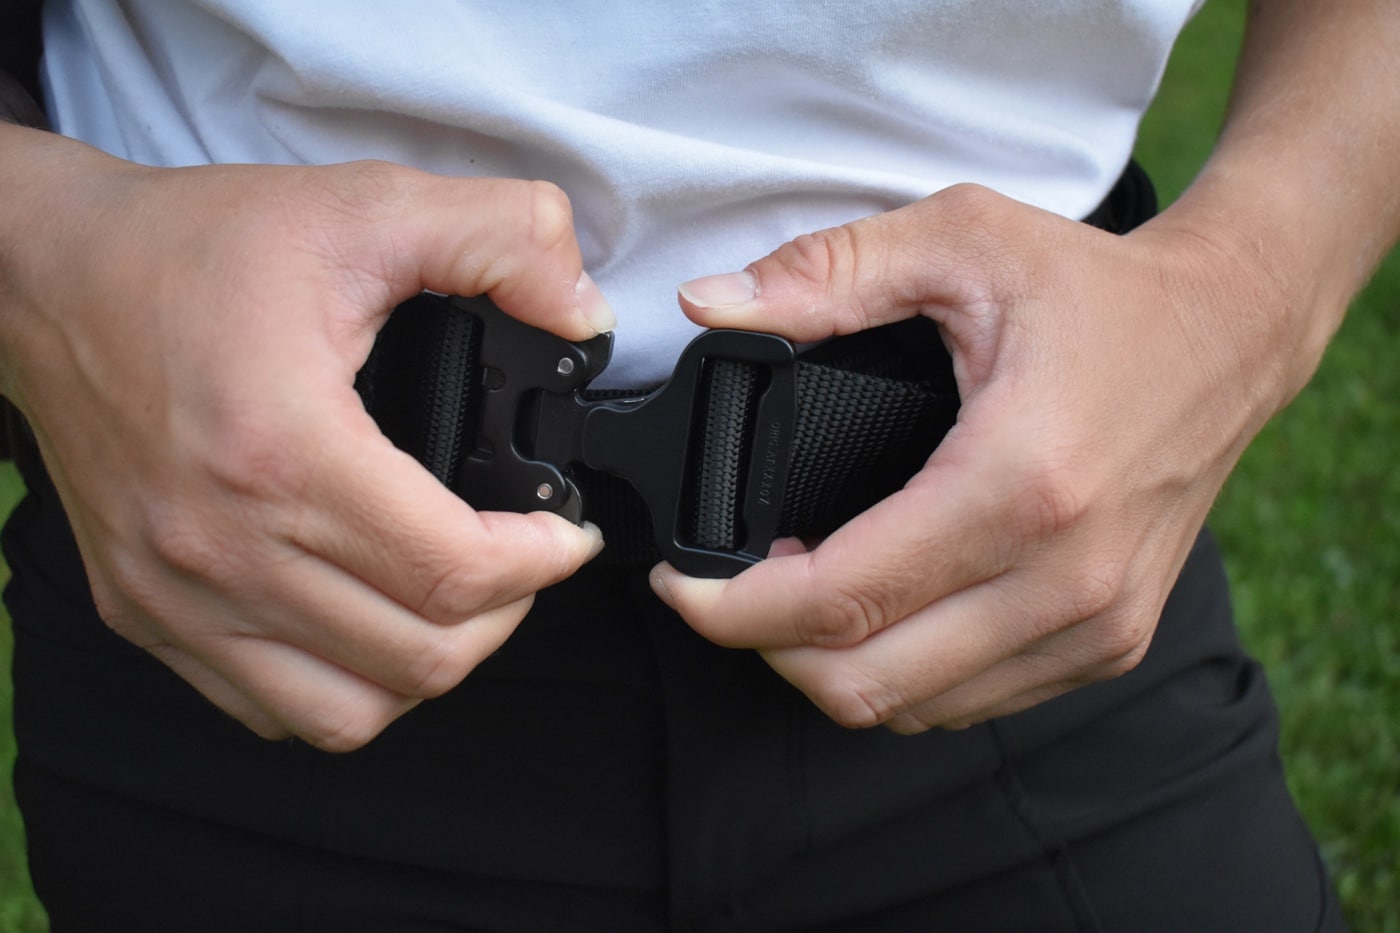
(1108, 386)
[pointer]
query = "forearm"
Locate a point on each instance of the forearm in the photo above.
(52, 224)
(19, 108)
(20, 115)
(1301, 184)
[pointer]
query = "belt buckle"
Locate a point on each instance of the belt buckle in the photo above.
(651, 442)
(535, 422)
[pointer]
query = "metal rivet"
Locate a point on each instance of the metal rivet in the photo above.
(545, 491)
(566, 366)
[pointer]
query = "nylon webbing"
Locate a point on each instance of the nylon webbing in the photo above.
(714, 480)
(422, 383)
(859, 436)
(870, 408)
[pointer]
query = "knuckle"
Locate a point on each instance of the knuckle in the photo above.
(1123, 644)
(455, 596)
(115, 608)
(814, 257)
(254, 458)
(452, 652)
(847, 617)
(434, 672)
(971, 207)
(359, 195)
(551, 215)
(912, 723)
(180, 541)
(828, 261)
(906, 726)
(341, 730)
(558, 549)
(1093, 592)
(1087, 597)
(992, 267)
(856, 700)
(1124, 663)
(1052, 502)
(373, 185)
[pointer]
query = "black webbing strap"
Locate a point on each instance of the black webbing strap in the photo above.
(868, 415)
(869, 410)
(422, 383)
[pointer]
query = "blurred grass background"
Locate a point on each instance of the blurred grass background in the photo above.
(1310, 523)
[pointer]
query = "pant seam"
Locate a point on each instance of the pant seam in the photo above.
(1053, 849)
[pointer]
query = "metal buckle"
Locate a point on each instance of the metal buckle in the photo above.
(535, 423)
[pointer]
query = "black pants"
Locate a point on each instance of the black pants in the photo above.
(608, 770)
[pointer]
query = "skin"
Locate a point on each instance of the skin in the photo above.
(1109, 385)
(186, 356)
(184, 344)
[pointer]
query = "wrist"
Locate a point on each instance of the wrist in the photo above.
(1272, 279)
(52, 217)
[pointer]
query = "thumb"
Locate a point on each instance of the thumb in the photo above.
(869, 272)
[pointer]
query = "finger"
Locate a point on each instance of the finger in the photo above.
(886, 675)
(944, 251)
(992, 649)
(330, 614)
(921, 718)
(220, 691)
(279, 692)
(513, 240)
(347, 495)
(1076, 654)
(313, 699)
(877, 569)
(1010, 686)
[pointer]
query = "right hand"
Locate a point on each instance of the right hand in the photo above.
(184, 344)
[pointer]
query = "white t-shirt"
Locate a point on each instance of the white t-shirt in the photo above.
(691, 137)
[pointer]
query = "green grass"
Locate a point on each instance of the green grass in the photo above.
(19, 911)
(1311, 526)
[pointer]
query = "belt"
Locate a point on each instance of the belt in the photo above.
(746, 441)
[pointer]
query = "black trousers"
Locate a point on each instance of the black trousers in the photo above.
(608, 770)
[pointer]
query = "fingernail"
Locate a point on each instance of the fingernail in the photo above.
(596, 547)
(594, 307)
(721, 291)
(658, 586)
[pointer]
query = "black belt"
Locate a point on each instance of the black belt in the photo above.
(748, 440)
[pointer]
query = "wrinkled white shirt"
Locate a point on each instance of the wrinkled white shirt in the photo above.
(692, 138)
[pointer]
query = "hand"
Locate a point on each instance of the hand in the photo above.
(1108, 386)
(184, 343)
